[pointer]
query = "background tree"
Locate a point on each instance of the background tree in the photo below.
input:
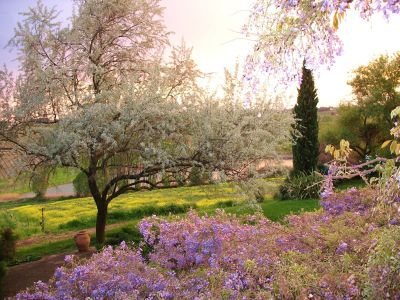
(305, 146)
(366, 121)
(376, 89)
(99, 96)
(355, 126)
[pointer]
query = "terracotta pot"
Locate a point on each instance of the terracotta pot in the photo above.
(82, 241)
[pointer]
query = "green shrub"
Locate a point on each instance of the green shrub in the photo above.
(195, 176)
(254, 189)
(166, 180)
(7, 243)
(301, 186)
(180, 178)
(81, 186)
(40, 183)
(198, 176)
(127, 234)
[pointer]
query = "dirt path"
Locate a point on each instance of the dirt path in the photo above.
(52, 237)
(25, 275)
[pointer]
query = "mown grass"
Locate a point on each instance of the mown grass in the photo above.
(20, 185)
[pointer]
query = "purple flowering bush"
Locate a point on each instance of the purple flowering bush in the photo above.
(350, 249)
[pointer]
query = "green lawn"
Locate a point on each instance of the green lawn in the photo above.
(72, 214)
(20, 185)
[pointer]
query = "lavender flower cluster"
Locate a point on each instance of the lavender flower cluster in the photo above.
(250, 257)
(352, 200)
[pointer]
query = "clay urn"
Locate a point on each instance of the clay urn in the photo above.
(82, 241)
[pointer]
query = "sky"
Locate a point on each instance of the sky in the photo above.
(212, 28)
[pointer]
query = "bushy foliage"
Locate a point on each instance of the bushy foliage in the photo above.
(350, 253)
(197, 176)
(254, 189)
(39, 183)
(81, 186)
(301, 186)
(7, 243)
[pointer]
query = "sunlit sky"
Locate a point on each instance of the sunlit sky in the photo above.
(212, 28)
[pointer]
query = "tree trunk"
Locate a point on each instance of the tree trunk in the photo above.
(101, 221)
(101, 204)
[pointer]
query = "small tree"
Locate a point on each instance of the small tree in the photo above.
(305, 146)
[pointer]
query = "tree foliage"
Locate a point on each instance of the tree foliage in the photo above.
(366, 121)
(306, 146)
(99, 96)
(376, 88)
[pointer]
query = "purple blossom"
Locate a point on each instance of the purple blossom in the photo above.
(343, 247)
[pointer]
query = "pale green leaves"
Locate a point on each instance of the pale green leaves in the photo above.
(341, 153)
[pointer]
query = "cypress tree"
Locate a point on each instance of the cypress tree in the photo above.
(306, 147)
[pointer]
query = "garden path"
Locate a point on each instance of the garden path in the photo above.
(63, 190)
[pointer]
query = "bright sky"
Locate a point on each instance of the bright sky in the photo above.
(212, 28)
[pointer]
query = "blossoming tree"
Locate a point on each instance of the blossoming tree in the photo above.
(99, 96)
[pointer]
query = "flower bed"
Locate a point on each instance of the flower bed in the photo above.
(350, 250)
